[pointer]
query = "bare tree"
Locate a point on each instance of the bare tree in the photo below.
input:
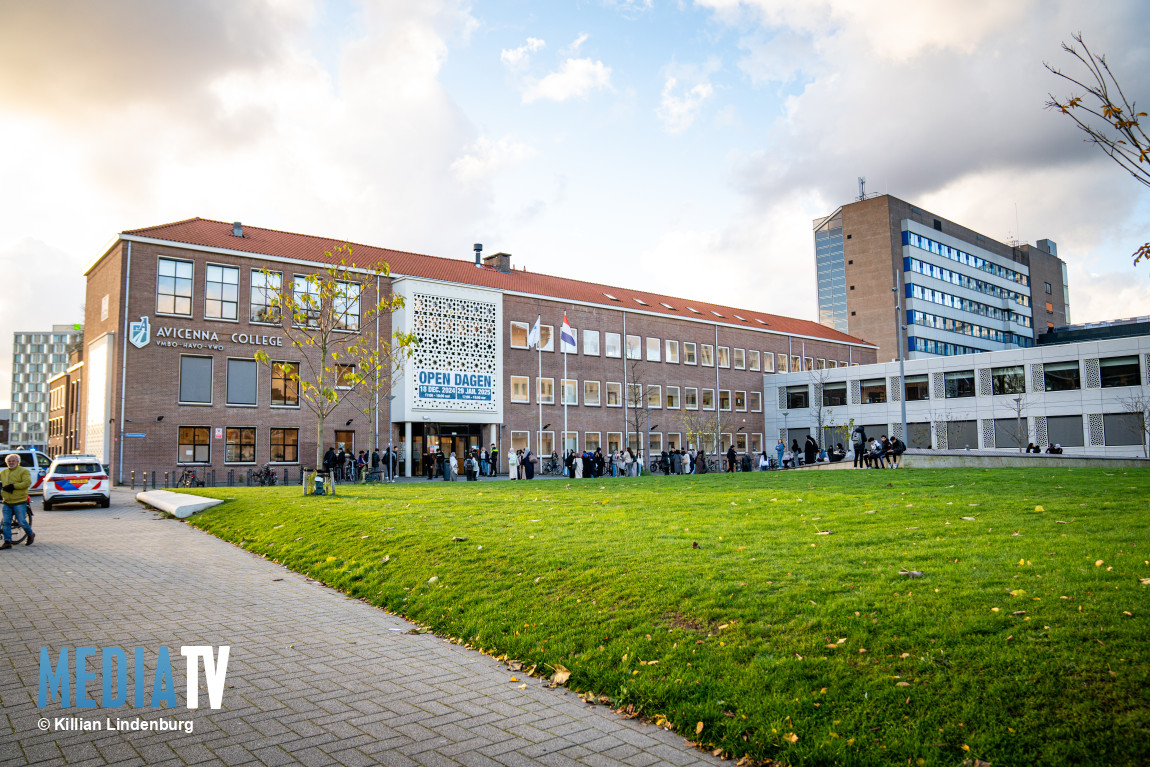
(1018, 405)
(1108, 118)
(819, 407)
(321, 315)
(1138, 405)
(638, 403)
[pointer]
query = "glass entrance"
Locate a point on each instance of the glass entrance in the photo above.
(446, 438)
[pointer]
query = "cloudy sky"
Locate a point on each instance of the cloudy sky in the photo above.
(682, 147)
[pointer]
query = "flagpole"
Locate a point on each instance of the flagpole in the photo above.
(539, 349)
(564, 440)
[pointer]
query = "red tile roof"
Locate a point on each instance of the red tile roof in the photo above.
(277, 244)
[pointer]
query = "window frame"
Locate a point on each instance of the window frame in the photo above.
(671, 351)
(191, 280)
(951, 384)
(283, 444)
(870, 385)
(690, 353)
(228, 430)
(598, 386)
(569, 386)
(1059, 367)
(654, 397)
(1119, 380)
(672, 401)
(690, 395)
(548, 332)
(264, 293)
(587, 336)
(525, 382)
(608, 337)
(338, 301)
(1000, 377)
(211, 381)
(208, 267)
(703, 399)
(655, 350)
(616, 388)
(723, 357)
(633, 347)
(539, 384)
(753, 360)
(228, 382)
(587, 440)
(287, 381)
(707, 355)
(726, 393)
(737, 395)
(305, 302)
(798, 390)
(207, 430)
(754, 397)
(516, 325)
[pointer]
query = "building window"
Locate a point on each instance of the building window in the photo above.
(520, 389)
(614, 394)
(809, 363)
(194, 445)
(345, 439)
(724, 357)
(570, 392)
(689, 357)
(959, 383)
(1123, 429)
(707, 355)
(265, 291)
(520, 440)
(285, 384)
(174, 287)
(547, 338)
(874, 391)
(741, 401)
(1062, 376)
(1119, 371)
(724, 399)
(634, 352)
(242, 376)
(611, 341)
(672, 397)
(591, 393)
(768, 362)
(1009, 380)
(546, 443)
(708, 399)
(653, 347)
(740, 442)
(614, 441)
(1049, 291)
(545, 391)
(591, 343)
(345, 302)
(783, 364)
(672, 354)
(221, 292)
(756, 402)
(518, 335)
(654, 443)
(305, 294)
(570, 348)
(634, 395)
(752, 360)
(797, 364)
(285, 446)
(345, 377)
(917, 388)
(798, 397)
(674, 440)
(591, 441)
(691, 398)
(740, 359)
(835, 394)
(240, 445)
(1049, 308)
(195, 380)
(655, 397)
(104, 307)
(570, 441)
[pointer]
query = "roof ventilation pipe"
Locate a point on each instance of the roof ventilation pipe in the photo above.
(478, 248)
(237, 229)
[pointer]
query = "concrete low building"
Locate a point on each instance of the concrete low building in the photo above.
(1090, 398)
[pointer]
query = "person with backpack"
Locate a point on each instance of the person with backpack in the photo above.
(859, 444)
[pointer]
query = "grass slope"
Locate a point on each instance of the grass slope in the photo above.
(1024, 642)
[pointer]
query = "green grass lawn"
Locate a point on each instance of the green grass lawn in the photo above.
(715, 601)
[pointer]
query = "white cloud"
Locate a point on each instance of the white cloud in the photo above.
(576, 78)
(485, 158)
(518, 58)
(685, 88)
(575, 45)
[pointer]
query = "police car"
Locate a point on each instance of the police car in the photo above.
(35, 462)
(76, 479)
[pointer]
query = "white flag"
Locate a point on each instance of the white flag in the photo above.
(533, 334)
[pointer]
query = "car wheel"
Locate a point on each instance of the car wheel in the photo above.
(105, 503)
(47, 505)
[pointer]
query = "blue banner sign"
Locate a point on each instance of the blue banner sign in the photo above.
(447, 385)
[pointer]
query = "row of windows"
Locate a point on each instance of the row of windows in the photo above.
(657, 442)
(966, 305)
(964, 328)
(941, 348)
(946, 275)
(634, 347)
(174, 280)
(194, 445)
(962, 257)
(657, 396)
(1010, 380)
(196, 379)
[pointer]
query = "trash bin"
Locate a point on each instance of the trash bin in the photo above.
(319, 481)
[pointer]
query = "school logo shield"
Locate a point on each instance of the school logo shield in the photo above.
(139, 333)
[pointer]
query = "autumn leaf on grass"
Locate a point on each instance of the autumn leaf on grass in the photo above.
(791, 737)
(561, 675)
(698, 728)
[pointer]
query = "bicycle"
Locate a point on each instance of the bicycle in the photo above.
(18, 534)
(189, 479)
(265, 476)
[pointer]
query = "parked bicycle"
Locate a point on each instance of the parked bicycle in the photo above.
(189, 479)
(265, 476)
(18, 534)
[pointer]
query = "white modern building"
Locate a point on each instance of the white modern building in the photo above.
(36, 357)
(1090, 398)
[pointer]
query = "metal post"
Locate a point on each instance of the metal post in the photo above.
(167, 481)
(133, 479)
(901, 356)
(1018, 414)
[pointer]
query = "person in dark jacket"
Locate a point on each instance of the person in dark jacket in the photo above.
(810, 449)
(859, 443)
(731, 458)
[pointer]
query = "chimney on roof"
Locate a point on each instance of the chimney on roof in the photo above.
(501, 261)
(478, 248)
(237, 229)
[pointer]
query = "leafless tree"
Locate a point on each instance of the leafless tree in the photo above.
(1138, 405)
(1103, 112)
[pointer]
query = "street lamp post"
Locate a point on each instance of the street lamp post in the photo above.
(390, 452)
(1018, 422)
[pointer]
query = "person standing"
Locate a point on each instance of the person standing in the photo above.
(859, 445)
(513, 465)
(484, 462)
(810, 450)
(450, 468)
(494, 459)
(676, 462)
(731, 458)
(14, 483)
(376, 459)
(780, 449)
(529, 461)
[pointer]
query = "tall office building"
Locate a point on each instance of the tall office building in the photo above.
(962, 292)
(36, 357)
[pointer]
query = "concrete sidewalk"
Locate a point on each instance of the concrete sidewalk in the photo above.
(314, 677)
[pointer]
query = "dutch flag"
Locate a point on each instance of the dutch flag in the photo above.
(565, 334)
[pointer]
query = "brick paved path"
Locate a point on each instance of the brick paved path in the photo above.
(314, 678)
